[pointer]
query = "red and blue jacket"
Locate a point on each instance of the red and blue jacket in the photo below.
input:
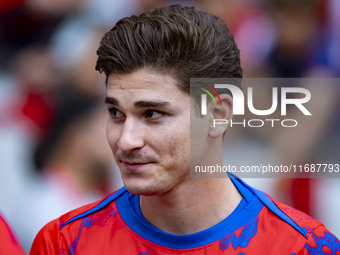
(115, 225)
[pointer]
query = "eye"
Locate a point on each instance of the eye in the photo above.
(153, 114)
(115, 113)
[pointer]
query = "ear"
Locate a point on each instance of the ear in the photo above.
(221, 116)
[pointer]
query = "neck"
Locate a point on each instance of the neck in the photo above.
(192, 206)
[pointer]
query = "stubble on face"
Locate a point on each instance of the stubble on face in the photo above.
(151, 145)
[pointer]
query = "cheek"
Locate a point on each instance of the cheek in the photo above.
(112, 135)
(179, 166)
(180, 147)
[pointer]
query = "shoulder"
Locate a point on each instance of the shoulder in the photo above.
(305, 233)
(89, 209)
(319, 239)
(302, 219)
(47, 239)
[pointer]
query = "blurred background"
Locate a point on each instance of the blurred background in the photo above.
(53, 151)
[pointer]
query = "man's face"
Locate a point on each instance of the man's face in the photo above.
(149, 131)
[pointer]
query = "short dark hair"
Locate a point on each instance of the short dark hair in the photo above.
(175, 40)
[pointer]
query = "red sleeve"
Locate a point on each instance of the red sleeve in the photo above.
(8, 243)
(46, 241)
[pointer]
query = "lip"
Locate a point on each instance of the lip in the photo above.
(134, 163)
(135, 166)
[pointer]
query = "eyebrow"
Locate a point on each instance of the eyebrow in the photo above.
(139, 104)
(145, 104)
(111, 100)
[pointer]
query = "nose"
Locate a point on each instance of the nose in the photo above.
(131, 137)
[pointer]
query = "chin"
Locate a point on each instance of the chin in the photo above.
(143, 190)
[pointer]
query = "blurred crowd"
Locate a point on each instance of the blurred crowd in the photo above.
(53, 151)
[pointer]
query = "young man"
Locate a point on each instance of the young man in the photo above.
(148, 61)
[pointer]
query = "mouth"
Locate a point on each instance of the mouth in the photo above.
(134, 162)
(134, 166)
